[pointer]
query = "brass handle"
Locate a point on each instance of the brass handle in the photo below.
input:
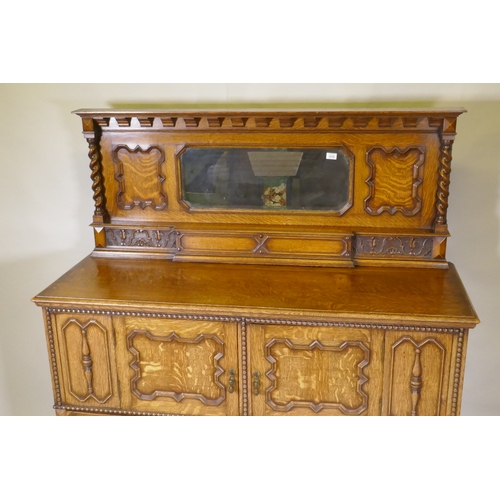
(256, 383)
(232, 380)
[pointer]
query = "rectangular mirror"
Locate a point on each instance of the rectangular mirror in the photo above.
(267, 178)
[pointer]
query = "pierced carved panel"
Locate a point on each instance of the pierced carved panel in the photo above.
(142, 238)
(394, 180)
(86, 353)
(174, 367)
(316, 376)
(416, 376)
(394, 246)
(140, 178)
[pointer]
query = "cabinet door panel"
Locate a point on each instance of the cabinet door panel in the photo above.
(87, 360)
(306, 370)
(417, 366)
(177, 366)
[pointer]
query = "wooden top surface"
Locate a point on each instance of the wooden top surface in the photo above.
(396, 295)
(260, 111)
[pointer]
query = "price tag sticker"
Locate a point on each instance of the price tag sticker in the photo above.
(331, 156)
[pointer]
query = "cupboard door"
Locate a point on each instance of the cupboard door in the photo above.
(314, 370)
(175, 366)
(86, 360)
(417, 373)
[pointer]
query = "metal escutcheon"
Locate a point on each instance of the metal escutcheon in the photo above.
(256, 383)
(232, 380)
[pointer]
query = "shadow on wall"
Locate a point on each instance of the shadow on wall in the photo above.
(474, 246)
(271, 104)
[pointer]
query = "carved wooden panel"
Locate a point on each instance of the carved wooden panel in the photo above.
(87, 359)
(178, 366)
(140, 177)
(259, 246)
(267, 248)
(308, 370)
(285, 221)
(394, 246)
(238, 246)
(416, 373)
(85, 345)
(175, 367)
(141, 238)
(317, 376)
(394, 180)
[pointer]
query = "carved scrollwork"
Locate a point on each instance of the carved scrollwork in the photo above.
(394, 246)
(148, 238)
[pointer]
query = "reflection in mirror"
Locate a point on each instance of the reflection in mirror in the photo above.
(251, 178)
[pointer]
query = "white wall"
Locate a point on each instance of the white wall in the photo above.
(47, 204)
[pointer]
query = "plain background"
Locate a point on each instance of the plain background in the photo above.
(47, 207)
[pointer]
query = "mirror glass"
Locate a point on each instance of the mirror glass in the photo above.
(266, 178)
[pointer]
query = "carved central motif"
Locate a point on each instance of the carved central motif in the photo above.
(317, 376)
(394, 180)
(261, 247)
(175, 367)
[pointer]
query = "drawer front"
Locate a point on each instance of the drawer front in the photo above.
(177, 366)
(314, 370)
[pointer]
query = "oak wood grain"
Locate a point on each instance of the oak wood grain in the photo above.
(192, 308)
(399, 165)
(316, 370)
(375, 294)
(176, 366)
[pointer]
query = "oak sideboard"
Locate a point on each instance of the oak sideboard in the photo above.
(263, 262)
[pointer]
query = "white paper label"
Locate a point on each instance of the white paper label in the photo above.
(331, 156)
